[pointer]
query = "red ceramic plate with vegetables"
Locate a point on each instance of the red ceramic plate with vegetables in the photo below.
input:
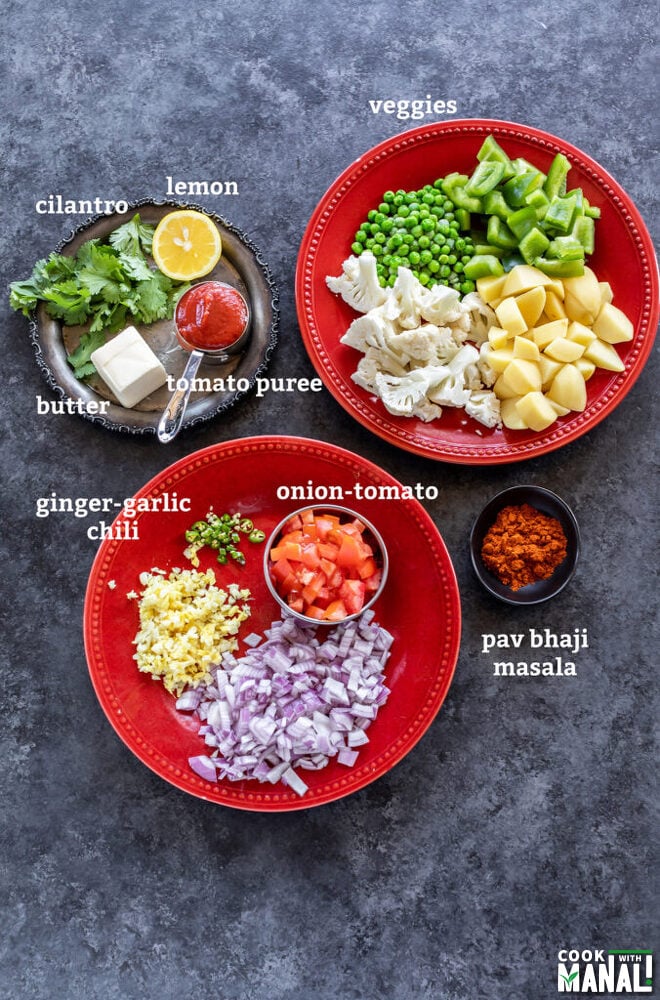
(261, 479)
(623, 256)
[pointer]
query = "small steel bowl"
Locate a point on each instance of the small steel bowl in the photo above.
(373, 537)
(220, 354)
(547, 503)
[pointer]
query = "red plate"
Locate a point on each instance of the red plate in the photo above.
(244, 476)
(624, 256)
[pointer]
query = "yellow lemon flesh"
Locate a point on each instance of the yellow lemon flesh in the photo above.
(186, 245)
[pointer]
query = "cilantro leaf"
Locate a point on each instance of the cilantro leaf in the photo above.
(135, 236)
(80, 358)
(135, 267)
(67, 301)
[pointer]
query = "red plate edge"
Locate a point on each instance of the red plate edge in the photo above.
(190, 783)
(530, 450)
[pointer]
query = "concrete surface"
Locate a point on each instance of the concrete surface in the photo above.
(522, 822)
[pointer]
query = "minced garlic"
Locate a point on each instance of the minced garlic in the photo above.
(186, 624)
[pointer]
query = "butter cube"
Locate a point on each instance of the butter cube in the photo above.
(129, 367)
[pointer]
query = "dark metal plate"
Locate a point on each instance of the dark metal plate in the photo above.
(241, 265)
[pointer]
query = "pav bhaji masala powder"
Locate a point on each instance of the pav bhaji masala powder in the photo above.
(523, 546)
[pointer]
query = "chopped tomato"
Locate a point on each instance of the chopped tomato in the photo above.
(352, 593)
(351, 552)
(287, 550)
(325, 569)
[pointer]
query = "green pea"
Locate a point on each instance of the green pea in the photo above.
(417, 232)
(434, 267)
(371, 216)
(445, 271)
(414, 257)
(404, 211)
(424, 242)
(467, 287)
(380, 237)
(388, 196)
(423, 278)
(357, 248)
(384, 208)
(426, 256)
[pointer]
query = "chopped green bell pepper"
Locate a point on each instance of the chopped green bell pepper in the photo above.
(487, 248)
(483, 265)
(486, 176)
(565, 248)
(500, 235)
(495, 204)
(522, 221)
(539, 201)
(584, 232)
(462, 218)
(560, 214)
(491, 150)
(560, 268)
(516, 190)
(454, 188)
(555, 183)
(533, 244)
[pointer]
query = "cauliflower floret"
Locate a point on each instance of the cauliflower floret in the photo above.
(488, 375)
(401, 395)
(451, 391)
(359, 285)
(482, 317)
(373, 329)
(418, 344)
(440, 305)
(484, 406)
(387, 361)
(426, 410)
(405, 299)
(365, 375)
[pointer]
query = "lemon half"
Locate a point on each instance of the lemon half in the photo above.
(186, 245)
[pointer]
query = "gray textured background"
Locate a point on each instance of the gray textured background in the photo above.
(522, 822)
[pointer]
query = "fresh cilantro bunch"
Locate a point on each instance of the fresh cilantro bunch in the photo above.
(106, 285)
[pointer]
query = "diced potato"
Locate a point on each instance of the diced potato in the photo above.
(548, 369)
(561, 411)
(606, 293)
(523, 277)
(510, 416)
(531, 304)
(490, 286)
(510, 317)
(556, 286)
(497, 337)
(612, 325)
(523, 376)
(499, 360)
(564, 350)
(604, 356)
(554, 307)
(582, 300)
(544, 335)
(526, 349)
(495, 303)
(585, 367)
(502, 389)
(536, 411)
(580, 334)
(568, 389)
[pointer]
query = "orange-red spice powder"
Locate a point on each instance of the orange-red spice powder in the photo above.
(523, 546)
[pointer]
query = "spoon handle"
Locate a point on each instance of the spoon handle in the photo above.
(170, 422)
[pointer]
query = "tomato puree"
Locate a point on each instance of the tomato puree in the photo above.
(211, 316)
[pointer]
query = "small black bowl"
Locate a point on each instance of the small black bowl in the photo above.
(547, 503)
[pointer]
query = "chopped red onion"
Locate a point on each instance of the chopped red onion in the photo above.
(295, 701)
